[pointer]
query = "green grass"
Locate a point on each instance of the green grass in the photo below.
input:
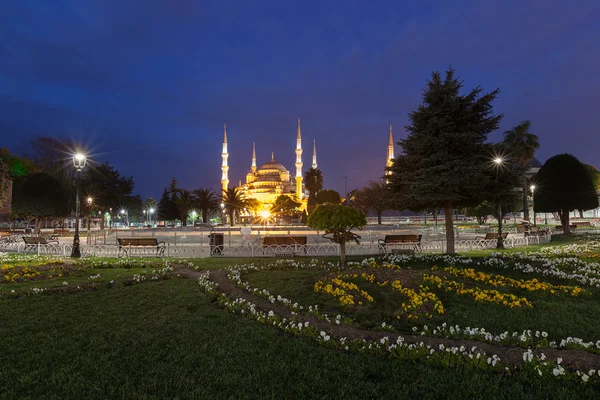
(167, 340)
(560, 315)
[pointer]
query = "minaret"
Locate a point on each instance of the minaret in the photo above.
(314, 164)
(253, 167)
(299, 163)
(224, 166)
(390, 153)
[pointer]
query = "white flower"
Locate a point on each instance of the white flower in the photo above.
(585, 378)
(65, 283)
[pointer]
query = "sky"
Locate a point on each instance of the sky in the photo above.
(147, 85)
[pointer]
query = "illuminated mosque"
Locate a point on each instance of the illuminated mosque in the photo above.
(272, 179)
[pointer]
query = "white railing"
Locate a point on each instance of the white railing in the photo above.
(254, 250)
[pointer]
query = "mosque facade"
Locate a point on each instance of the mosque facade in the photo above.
(270, 180)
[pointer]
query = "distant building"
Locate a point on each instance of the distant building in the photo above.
(272, 179)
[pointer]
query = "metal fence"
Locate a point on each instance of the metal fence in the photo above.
(183, 250)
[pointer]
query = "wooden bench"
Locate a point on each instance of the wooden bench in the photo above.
(285, 245)
(127, 242)
(60, 232)
(37, 240)
(492, 236)
(582, 223)
(412, 241)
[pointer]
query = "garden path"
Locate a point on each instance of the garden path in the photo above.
(511, 356)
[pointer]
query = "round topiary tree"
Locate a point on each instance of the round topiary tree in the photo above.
(563, 184)
(338, 221)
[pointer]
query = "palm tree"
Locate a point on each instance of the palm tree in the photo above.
(313, 180)
(522, 145)
(185, 202)
(206, 201)
(234, 201)
(373, 196)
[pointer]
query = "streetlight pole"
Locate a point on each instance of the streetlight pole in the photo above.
(499, 244)
(532, 187)
(89, 204)
(79, 162)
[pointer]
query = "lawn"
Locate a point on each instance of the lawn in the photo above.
(129, 335)
(167, 340)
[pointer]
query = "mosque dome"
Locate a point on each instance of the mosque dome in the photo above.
(272, 165)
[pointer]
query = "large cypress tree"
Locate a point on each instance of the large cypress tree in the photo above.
(445, 162)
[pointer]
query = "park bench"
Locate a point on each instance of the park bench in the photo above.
(284, 245)
(148, 242)
(492, 236)
(412, 242)
(31, 241)
(581, 223)
(60, 232)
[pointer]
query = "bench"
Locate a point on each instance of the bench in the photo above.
(284, 245)
(60, 232)
(31, 241)
(126, 243)
(581, 223)
(492, 236)
(412, 241)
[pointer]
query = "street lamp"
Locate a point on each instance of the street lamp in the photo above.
(79, 160)
(150, 212)
(498, 162)
(532, 188)
(90, 200)
(124, 212)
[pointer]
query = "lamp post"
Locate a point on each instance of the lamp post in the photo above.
(124, 212)
(79, 160)
(150, 212)
(498, 161)
(223, 213)
(532, 187)
(89, 204)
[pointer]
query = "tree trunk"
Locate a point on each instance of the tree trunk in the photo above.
(449, 229)
(36, 226)
(343, 253)
(379, 217)
(565, 222)
(205, 216)
(581, 214)
(525, 202)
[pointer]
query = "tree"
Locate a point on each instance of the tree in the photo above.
(18, 166)
(286, 205)
(521, 144)
(184, 201)
(338, 221)
(313, 180)
(4, 182)
(167, 209)
(445, 159)
(206, 202)
(482, 211)
(376, 196)
(107, 187)
(234, 201)
(39, 196)
(328, 196)
(594, 174)
(563, 185)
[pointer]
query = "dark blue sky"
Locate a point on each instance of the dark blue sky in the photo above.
(148, 84)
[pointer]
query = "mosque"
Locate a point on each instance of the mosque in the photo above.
(272, 179)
